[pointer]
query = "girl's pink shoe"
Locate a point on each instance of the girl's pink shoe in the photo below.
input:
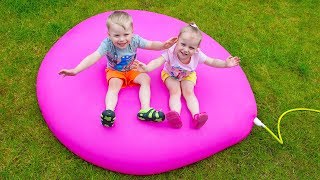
(174, 119)
(199, 120)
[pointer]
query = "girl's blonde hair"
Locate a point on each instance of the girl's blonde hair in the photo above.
(120, 18)
(192, 27)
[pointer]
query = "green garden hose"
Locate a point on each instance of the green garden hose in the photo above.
(279, 139)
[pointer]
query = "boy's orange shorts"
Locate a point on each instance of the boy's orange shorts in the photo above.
(127, 76)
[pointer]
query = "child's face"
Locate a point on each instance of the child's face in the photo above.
(119, 36)
(187, 45)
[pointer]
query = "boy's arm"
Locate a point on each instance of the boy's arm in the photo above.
(157, 45)
(230, 62)
(150, 66)
(84, 64)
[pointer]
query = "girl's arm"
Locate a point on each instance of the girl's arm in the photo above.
(230, 62)
(157, 45)
(84, 64)
(150, 66)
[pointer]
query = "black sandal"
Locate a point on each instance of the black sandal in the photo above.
(108, 117)
(151, 115)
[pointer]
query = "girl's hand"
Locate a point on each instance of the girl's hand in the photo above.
(170, 42)
(232, 61)
(139, 66)
(67, 72)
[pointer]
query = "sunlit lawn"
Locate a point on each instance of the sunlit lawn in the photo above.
(278, 42)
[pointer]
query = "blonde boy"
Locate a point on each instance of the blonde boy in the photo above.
(120, 48)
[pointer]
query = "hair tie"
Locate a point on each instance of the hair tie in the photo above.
(194, 25)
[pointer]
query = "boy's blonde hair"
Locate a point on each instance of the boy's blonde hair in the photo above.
(120, 18)
(192, 27)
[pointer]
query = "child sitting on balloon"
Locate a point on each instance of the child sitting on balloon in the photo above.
(179, 73)
(120, 48)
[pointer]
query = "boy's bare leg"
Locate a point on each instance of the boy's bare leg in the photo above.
(144, 92)
(114, 87)
(147, 113)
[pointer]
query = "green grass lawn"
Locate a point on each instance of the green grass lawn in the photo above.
(278, 42)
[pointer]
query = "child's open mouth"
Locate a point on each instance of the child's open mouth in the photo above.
(122, 44)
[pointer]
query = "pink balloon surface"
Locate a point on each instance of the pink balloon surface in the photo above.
(71, 106)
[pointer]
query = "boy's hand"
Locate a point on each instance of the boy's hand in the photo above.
(67, 72)
(232, 61)
(139, 66)
(170, 42)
